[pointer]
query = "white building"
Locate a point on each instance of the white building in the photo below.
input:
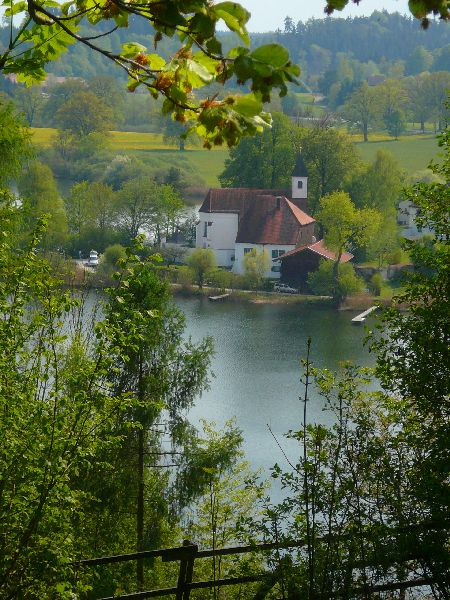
(406, 217)
(233, 221)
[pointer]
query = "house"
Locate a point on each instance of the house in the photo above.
(234, 221)
(298, 263)
(406, 216)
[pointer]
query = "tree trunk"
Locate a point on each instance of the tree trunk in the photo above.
(140, 510)
(365, 132)
(422, 126)
(181, 145)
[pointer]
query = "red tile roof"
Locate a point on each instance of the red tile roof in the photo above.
(318, 248)
(234, 199)
(272, 220)
(265, 216)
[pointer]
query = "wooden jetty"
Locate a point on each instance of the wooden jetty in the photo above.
(362, 317)
(218, 298)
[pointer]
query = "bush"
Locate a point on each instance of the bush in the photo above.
(322, 281)
(375, 284)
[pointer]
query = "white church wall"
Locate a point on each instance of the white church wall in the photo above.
(218, 231)
(273, 250)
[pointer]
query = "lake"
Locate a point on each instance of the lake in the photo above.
(258, 348)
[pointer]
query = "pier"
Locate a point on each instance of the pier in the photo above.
(362, 317)
(218, 298)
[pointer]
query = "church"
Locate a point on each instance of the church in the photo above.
(234, 221)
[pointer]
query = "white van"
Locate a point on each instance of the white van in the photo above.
(93, 258)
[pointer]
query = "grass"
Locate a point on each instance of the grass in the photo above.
(150, 147)
(413, 152)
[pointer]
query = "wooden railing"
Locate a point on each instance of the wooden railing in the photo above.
(189, 552)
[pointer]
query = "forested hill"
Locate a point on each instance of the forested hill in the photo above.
(382, 35)
(315, 45)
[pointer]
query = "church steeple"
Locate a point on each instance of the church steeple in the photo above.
(300, 180)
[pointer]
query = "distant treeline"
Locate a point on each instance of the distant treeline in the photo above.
(316, 44)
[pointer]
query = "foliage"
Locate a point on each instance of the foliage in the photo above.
(15, 145)
(420, 10)
(110, 258)
(322, 282)
(376, 284)
(38, 190)
(330, 157)
(362, 108)
(56, 422)
(90, 207)
(202, 261)
(344, 225)
(413, 350)
(143, 204)
(266, 160)
(395, 123)
(84, 113)
(256, 264)
(47, 31)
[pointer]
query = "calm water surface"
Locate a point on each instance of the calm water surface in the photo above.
(258, 348)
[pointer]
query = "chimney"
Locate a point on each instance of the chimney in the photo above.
(278, 202)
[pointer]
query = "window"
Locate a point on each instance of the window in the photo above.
(277, 253)
(276, 269)
(247, 250)
(205, 229)
(299, 185)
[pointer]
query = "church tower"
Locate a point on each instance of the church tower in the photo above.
(300, 183)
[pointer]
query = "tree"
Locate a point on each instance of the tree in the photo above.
(438, 86)
(30, 102)
(419, 103)
(15, 143)
(146, 205)
(106, 89)
(143, 334)
(378, 185)
(413, 359)
(84, 113)
(199, 61)
(56, 421)
(420, 10)
(256, 264)
(419, 61)
(201, 261)
(346, 227)
(362, 108)
(38, 190)
(330, 157)
(265, 161)
(91, 213)
(322, 282)
(395, 123)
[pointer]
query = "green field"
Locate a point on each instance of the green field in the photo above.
(413, 152)
(150, 148)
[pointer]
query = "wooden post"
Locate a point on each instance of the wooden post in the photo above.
(186, 571)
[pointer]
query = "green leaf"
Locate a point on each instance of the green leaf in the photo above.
(271, 54)
(130, 49)
(248, 105)
(235, 17)
(15, 9)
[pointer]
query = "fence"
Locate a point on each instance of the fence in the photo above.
(189, 552)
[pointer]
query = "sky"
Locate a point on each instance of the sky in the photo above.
(268, 15)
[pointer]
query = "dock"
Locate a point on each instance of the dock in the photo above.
(218, 298)
(362, 317)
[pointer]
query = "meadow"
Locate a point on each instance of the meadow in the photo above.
(413, 152)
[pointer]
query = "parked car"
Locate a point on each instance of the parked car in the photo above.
(93, 258)
(284, 288)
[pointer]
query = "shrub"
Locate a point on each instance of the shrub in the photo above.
(375, 284)
(322, 281)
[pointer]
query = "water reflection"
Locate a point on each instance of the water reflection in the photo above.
(257, 370)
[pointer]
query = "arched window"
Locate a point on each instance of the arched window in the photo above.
(299, 184)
